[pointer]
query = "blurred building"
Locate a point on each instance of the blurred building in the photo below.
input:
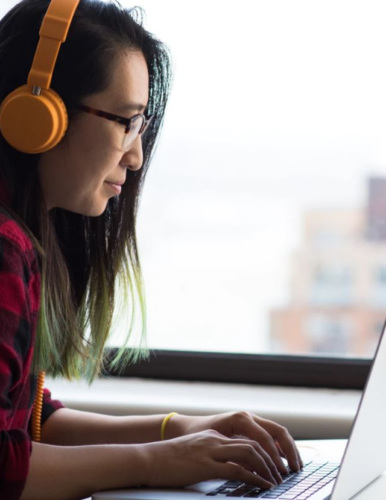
(338, 282)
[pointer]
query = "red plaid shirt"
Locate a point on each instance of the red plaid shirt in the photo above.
(19, 306)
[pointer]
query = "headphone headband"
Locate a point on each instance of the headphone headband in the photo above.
(53, 32)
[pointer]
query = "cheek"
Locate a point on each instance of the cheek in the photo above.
(86, 157)
(92, 160)
(89, 137)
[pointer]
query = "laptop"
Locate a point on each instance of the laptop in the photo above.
(363, 461)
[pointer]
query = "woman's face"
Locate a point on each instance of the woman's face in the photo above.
(75, 174)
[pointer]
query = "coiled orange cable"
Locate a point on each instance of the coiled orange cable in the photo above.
(37, 409)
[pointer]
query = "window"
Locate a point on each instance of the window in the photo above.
(332, 285)
(379, 286)
(329, 334)
(263, 216)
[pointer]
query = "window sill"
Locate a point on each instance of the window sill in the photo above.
(307, 413)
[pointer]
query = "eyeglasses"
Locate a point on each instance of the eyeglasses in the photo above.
(134, 126)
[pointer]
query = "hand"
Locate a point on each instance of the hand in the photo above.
(270, 437)
(207, 455)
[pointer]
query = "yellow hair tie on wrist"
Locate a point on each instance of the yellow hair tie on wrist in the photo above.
(164, 424)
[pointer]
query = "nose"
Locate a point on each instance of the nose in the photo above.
(133, 159)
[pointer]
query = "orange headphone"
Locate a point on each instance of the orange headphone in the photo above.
(33, 118)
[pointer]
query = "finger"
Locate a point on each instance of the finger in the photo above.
(254, 430)
(267, 442)
(279, 450)
(279, 434)
(288, 448)
(267, 459)
(299, 458)
(235, 472)
(246, 454)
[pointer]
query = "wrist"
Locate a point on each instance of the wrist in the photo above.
(176, 426)
(143, 466)
(165, 423)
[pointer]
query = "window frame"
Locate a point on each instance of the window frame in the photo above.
(282, 370)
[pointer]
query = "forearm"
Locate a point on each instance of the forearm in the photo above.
(69, 472)
(73, 428)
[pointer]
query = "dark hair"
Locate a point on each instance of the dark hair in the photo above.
(82, 258)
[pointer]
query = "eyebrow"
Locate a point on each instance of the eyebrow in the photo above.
(132, 106)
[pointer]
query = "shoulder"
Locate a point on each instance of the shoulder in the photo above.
(12, 232)
(18, 256)
(19, 268)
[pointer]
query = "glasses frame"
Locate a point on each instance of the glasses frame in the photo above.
(126, 122)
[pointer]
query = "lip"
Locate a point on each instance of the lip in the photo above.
(117, 188)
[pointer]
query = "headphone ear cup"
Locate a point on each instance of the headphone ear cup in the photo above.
(33, 123)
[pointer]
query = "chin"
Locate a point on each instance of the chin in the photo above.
(94, 211)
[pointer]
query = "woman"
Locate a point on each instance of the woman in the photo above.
(67, 237)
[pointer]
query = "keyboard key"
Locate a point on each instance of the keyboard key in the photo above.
(241, 491)
(286, 496)
(255, 494)
(296, 486)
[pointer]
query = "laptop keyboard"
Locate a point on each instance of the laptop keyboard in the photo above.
(296, 486)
